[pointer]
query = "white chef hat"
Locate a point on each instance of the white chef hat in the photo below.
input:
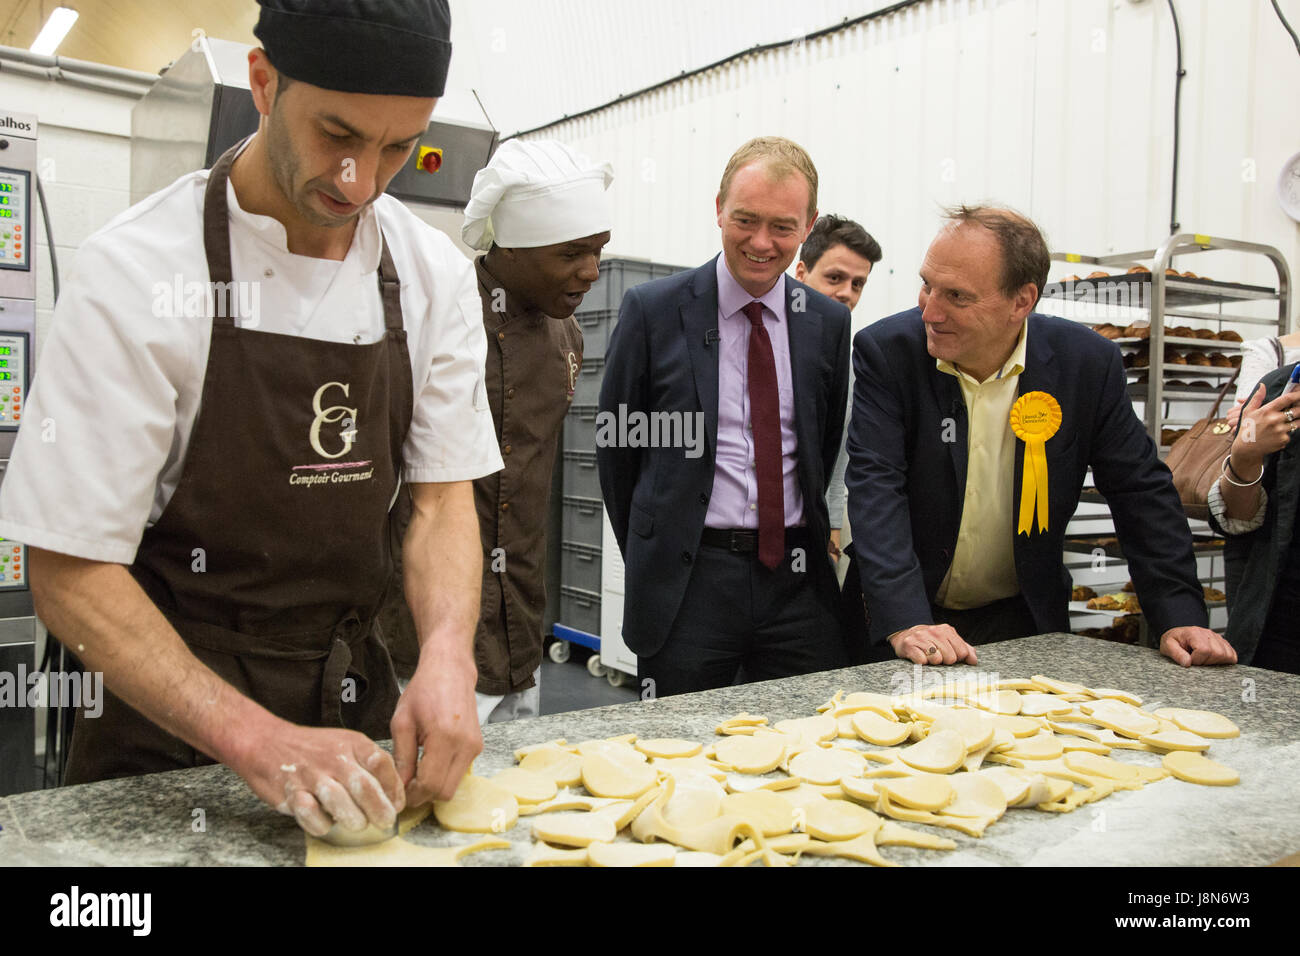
(537, 193)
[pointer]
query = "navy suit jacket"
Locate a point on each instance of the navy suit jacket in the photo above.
(906, 483)
(661, 357)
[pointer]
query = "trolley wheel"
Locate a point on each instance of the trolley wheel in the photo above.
(595, 668)
(559, 651)
(616, 677)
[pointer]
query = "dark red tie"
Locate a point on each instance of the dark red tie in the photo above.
(765, 420)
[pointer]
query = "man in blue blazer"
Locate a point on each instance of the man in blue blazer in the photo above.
(724, 540)
(953, 398)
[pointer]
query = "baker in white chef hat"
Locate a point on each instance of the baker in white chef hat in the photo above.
(534, 208)
(541, 213)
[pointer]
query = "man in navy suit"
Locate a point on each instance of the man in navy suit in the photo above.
(951, 397)
(725, 545)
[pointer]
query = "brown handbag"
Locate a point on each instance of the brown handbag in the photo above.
(1196, 459)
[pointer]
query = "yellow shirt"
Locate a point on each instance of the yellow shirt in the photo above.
(983, 566)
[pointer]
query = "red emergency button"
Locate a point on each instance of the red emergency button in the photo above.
(430, 159)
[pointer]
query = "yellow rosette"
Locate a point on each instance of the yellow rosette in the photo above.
(1035, 417)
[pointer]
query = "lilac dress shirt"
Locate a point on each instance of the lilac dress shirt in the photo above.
(734, 501)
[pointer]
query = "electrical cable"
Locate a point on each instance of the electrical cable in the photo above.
(1294, 39)
(49, 237)
(1178, 96)
(58, 721)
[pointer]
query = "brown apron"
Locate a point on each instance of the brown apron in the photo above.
(273, 555)
(531, 371)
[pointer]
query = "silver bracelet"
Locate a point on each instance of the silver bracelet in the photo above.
(1227, 468)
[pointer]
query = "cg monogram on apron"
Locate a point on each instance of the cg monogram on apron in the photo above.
(273, 555)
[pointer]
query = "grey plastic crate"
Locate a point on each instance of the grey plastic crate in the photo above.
(580, 476)
(580, 609)
(586, 390)
(596, 325)
(582, 520)
(580, 428)
(554, 534)
(580, 566)
(619, 275)
(616, 277)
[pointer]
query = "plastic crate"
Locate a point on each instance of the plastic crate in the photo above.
(596, 325)
(580, 566)
(580, 475)
(580, 609)
(582, 520)
(616, 277)
(580, 428)
(586, 390)
(619, 275)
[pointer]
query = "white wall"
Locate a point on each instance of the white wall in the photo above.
(1063, 110)
(534, 61)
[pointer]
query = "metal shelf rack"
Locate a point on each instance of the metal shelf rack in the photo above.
(1163, 296)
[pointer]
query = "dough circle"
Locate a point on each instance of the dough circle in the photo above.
(826, 766)
(751, 754)
(941, 752)
(1194, 768)
(478, 806)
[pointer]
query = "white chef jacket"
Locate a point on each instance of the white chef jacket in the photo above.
(104, 432)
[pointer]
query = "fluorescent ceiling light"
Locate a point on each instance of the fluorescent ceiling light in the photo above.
(55, 29)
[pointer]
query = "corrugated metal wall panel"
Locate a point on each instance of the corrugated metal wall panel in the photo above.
(1063, 110)
(535, 60)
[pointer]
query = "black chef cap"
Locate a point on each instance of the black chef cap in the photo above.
(388, 47)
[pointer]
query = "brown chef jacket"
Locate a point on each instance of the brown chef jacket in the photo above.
(532, 365)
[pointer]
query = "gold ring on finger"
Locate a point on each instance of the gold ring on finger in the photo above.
(932, 650)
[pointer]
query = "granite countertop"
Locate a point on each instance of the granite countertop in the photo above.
(208, 816)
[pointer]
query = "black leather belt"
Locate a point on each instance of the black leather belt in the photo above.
(745, 540)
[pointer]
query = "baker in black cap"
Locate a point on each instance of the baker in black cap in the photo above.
(223, 562)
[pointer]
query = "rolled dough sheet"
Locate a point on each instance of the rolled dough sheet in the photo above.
(545, 855)
(631, 854)
(394, 852)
